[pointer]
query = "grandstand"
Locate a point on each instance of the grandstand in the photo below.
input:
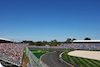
(10, 54)
(82, 44)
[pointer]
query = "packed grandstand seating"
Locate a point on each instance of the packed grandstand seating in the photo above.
(11, 52)
(90, 46)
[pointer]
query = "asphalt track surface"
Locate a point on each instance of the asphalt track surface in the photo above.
(52, 59)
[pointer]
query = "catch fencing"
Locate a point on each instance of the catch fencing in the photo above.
(34, 61)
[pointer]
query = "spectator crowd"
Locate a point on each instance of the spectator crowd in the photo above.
(90, 46)
(11, 52)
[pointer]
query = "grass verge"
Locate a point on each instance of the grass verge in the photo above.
(81, 62)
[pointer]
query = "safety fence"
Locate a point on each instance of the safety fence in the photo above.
(34, 61)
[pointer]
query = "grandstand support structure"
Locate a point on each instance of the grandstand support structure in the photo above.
(8, 60)
(34, 61)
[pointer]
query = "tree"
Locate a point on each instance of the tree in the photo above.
(68, 40)
(54, 42)
(45, 42)
(39, 43)
(87, 38)
(31, 43)
(59, 43)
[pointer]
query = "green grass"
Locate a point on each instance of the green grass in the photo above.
(81, 62)
(39, 53)
(24, 54)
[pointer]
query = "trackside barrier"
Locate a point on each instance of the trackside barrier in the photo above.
(69, 62)
(34, 61)
(65, 61)
(67, 47)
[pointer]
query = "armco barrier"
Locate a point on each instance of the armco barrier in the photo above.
(69, 62)
(65, 61)
(34, 61)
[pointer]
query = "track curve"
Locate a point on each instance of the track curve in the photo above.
(52, 59)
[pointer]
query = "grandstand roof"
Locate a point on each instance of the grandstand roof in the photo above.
(5, 39)
(86, 41)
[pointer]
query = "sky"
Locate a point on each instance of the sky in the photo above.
(39, 20)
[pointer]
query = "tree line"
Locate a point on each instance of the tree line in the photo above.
(51, 43)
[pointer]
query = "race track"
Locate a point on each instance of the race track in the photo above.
(52, 59)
